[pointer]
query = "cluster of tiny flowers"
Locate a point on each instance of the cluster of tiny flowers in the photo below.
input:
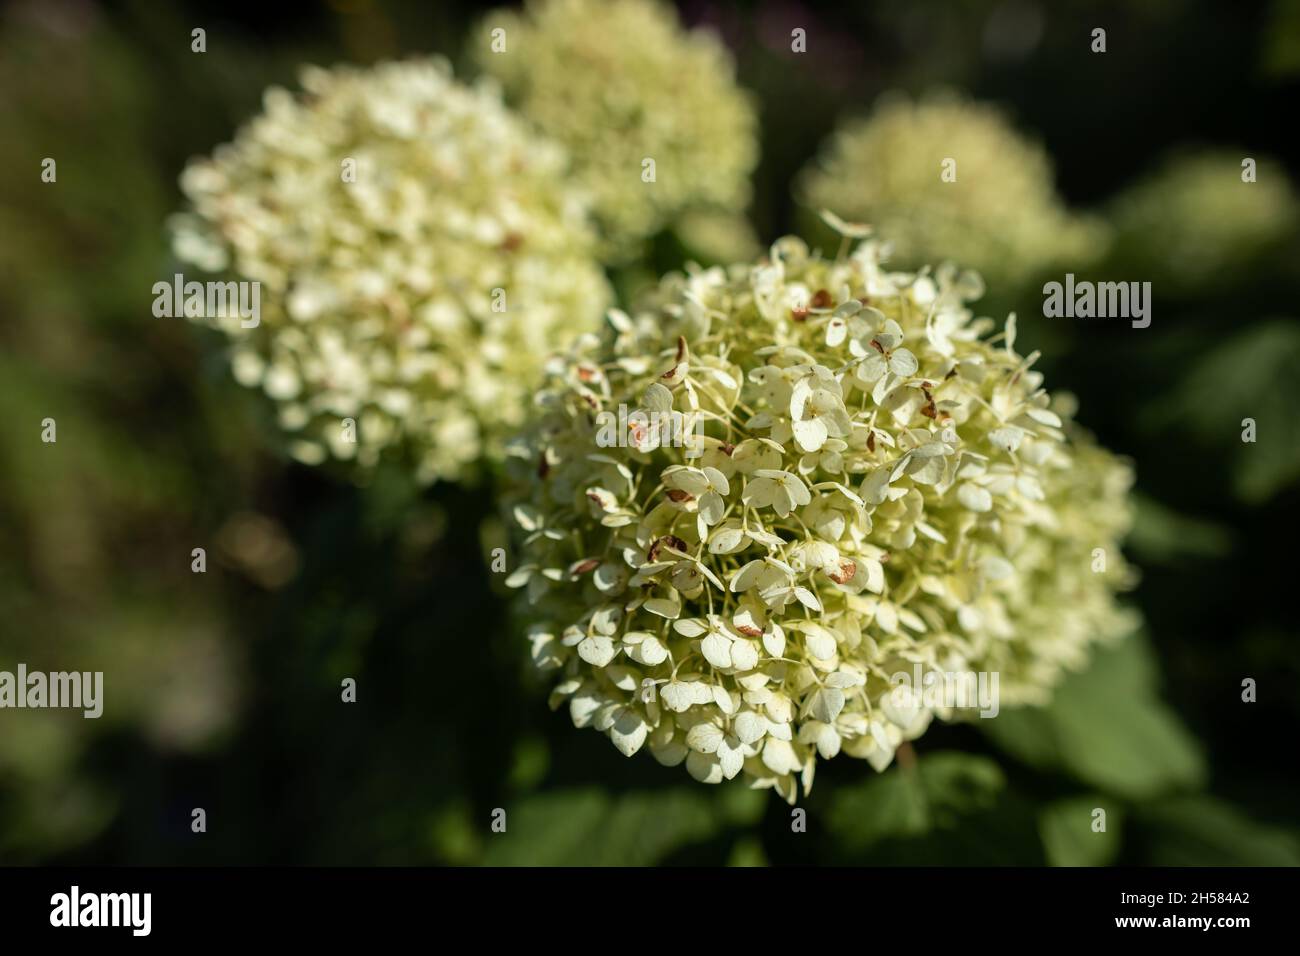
(744, 511)
(620, 83)
(418, 256)
(1000, 215)
(1194, 222)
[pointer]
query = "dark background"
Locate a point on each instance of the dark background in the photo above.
(223, 688)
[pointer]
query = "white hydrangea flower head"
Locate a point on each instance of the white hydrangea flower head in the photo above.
(1193, 222)
(619, 82)
(418, 300)
(1000, 216)
(822, 474)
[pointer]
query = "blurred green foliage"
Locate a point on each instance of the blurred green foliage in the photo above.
(223, 689)
(1106, 728)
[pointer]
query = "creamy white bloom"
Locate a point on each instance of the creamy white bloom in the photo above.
(749, 599)
(419, 255)
(622, 85)
(993, 208)
(1194, 224)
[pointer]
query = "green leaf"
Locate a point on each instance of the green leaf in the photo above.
(1204, 831)
(748, 851)
(590, 828)
(1108, 728)
(933, 795)
(1071, 834)
(741, 805)
(532, 759)
(549, 829)
(1255, 374)
(1161, 535)
(453, 836)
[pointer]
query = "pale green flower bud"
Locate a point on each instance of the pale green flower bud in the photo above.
(650, 113)
(418, 255)
(752, 504)
(945, 176)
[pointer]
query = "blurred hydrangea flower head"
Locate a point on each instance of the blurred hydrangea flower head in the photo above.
(1193, 222)
(619, 82)
(748, 508)
(417, 296)
(1000, 215)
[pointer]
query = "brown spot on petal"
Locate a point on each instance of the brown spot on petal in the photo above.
(727, 448)
(877, 346)
(583, 566)
(821, 299)
(749, 630)
(677, 495)
(511, 242)
(799, 314)
(681, 347)
(668, 540)
(844, 573)
(871, 441)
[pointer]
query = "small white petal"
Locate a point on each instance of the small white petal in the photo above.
(903, 363)
(744, 655)
(974, 497)
(629, 732)
(820, 642)
(704, 768)
(750, 727)
(827, 704)
(704, 737)
(716, 650)
(597, 650)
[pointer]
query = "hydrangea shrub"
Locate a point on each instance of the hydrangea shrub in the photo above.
(997, 212)
(620, 83)
(1194, 223)
(821, 473)
(418, 255)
